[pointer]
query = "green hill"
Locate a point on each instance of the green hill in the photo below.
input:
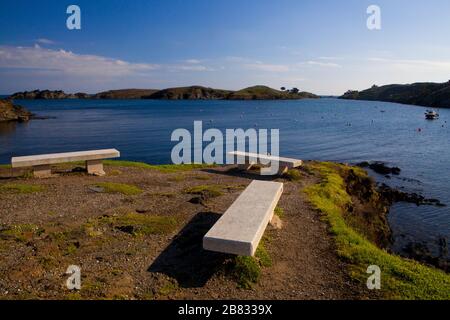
(125, 94)
(428, 94)
(189, 93)
(266, 93)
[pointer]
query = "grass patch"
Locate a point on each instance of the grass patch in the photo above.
(211, 191)
(166, 168)
(293, 175)
(401, 278)
(21, 188)
(279, 212)
(22, 232)
(122, 188)
(141, 225)
(247, 270)
(5, 166)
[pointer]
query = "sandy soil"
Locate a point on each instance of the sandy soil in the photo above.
(60, 226)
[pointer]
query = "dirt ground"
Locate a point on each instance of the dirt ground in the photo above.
(67, 221)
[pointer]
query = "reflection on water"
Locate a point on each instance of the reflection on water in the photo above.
(7, 127)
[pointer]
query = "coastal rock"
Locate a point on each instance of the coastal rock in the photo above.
(11, 112)
(380, 167)
(393, 195)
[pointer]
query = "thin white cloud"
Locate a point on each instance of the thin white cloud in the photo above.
(416, 64)
(259, 66)
(45, 41)
(69, 63)
(322, 64)
(192, 61)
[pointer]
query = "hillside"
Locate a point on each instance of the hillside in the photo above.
(179, 93)
(189, 93)
(435, 95)
(266, 93)
(125, 94)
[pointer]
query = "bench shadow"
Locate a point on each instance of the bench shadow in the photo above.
(185, 259)
(248, 174)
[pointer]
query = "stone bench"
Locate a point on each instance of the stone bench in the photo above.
(251, 159)
(242, 226)
(42, 163)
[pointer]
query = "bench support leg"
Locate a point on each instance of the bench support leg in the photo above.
(245, 167)
(42, 171)
(95, 167)
(283, 169)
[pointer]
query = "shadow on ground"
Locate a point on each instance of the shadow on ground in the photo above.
(253, 174)
(185, 260)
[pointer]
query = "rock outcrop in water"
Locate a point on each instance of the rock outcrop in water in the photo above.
(434, 95)
(11, 112)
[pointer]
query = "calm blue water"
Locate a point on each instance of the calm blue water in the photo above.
(309, 129)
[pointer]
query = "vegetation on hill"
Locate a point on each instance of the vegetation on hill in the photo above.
(180, 93)
(189, 93)
(125, 94)
(266, 93)
(435, 95)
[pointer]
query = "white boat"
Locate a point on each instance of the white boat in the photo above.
(431, 115)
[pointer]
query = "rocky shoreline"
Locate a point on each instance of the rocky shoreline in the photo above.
(12, 112)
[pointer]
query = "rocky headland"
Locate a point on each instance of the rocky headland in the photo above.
(428, 94)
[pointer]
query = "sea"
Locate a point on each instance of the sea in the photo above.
(312, 129)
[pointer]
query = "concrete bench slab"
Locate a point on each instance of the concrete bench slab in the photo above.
(42, 163)
(242, 226)
(250, 159)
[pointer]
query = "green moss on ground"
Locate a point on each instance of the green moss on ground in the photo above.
(293, 175)
(125, 189)
(21, 188)
(401, 278)
(140, 224)
(166, 168)
(247, 270)
(21, 232)
(279, 212)
(210, 190)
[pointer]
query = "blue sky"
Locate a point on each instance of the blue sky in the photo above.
(319, 46)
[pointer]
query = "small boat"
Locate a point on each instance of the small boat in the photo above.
(431, 115)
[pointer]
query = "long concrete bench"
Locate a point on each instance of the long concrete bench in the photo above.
(42, 163)
(242, 226)
(251, 159)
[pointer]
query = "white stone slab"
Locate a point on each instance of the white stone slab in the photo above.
(255, 158)
(242, 226)
(45, 159)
